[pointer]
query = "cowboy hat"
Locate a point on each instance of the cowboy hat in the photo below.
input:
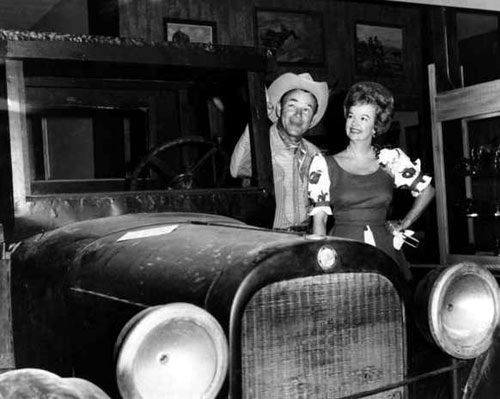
(290, 81)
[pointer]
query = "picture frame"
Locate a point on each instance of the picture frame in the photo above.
(379, 50)
(296, 36)
(184, 31)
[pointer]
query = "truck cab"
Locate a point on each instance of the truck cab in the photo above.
(136, 263)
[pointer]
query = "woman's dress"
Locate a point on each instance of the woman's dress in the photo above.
(359, 201)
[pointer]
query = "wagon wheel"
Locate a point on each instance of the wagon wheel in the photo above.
(183, 163)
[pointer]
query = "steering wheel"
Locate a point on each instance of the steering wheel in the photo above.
(183, 163)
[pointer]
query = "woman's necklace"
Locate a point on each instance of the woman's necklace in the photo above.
(369, 153)
(361, 162)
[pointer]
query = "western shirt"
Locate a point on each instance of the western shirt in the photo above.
(290, 163)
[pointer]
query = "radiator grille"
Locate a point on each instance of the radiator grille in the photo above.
(323, 336)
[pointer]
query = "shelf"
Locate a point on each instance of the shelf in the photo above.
(482, 175)
(483, 218)
(489, 261)
(466, 155)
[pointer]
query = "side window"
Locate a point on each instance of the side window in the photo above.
(87, 147)
(174, 137)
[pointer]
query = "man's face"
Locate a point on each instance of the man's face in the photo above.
(296, 111)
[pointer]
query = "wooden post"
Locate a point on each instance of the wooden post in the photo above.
(6, 340)
(18, 132)
(259, 133)
(439, 173)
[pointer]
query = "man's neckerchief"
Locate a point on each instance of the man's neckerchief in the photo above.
(300, 152)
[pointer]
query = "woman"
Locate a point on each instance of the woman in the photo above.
(357, 185)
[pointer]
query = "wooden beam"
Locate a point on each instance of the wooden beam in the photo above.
(218, 57)
(41, 98)
(487, 5)
(482, 98)
(107, 84)
(18, 131)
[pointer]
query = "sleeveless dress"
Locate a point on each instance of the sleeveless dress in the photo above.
(358, 201)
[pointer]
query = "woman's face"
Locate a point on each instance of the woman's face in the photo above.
(360, 122)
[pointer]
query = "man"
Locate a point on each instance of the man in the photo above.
(296, 103)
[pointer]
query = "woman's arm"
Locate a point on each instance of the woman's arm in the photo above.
(419, 205)
(319, 223)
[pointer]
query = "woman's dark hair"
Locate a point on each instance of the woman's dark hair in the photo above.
(375, 94)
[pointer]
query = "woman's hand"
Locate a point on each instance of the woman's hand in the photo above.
(394, 226)
(401, 235)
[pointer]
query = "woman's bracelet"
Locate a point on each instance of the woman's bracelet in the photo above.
(404, 224)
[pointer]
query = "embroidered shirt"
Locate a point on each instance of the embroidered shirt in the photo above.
(319, 186)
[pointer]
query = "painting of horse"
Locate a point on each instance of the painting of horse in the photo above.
(379, 51)
(296, 36)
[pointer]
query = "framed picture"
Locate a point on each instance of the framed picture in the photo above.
(183, 31)
(297, 36)
(379, 50)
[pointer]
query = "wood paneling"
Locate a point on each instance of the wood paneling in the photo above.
(103, 17)
(144, 18)
(23, 14)
(235, 26)
(480, 57)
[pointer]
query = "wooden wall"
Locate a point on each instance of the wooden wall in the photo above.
(235, 26)
(67, 16)
(480, 57)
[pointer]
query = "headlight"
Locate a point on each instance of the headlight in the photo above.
(462, 307)
(172, 351)
(327, 257)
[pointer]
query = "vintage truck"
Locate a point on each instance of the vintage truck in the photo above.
(170, 284)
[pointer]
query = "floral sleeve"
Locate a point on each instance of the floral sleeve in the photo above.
(319, 185)
(406, 174)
